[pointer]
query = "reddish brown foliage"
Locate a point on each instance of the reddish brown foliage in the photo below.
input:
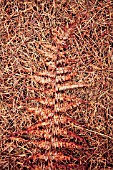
(56, 84)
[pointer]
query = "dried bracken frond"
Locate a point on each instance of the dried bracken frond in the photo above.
(56, 90)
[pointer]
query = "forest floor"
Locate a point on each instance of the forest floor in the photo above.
(56, 85)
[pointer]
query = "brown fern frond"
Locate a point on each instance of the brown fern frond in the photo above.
(48, 124)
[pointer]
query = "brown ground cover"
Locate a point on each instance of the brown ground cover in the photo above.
(56, 85)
